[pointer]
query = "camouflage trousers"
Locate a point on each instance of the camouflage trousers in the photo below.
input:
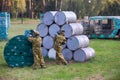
(59, 57)
(38, 58)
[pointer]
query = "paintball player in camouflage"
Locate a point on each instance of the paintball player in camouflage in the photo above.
(36, 40)
(59, 40)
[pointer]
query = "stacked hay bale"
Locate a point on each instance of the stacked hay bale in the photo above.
(77, 44)
(4, 25)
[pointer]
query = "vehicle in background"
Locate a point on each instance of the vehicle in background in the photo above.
(102, 27)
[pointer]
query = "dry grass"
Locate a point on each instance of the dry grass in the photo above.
(105, 66)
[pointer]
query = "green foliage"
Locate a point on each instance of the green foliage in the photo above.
(80, 7)
(83, 7)
(111, 9)
(21, 5)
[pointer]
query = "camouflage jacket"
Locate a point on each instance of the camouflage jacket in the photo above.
(36, 41)
(59, 40)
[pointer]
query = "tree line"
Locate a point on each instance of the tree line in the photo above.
(33, 8)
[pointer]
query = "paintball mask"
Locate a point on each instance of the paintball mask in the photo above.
(32, 33)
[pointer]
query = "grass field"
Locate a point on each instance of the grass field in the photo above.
(105, 66)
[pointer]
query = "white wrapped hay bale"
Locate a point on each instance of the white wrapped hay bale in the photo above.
(42, 29)
(75, 42)
(63, 17)
(54, 28)
(48, 17)
(44, 52)
(84, 54)
(48, 42)
(72, 29)
(52, 53)
(67, 54)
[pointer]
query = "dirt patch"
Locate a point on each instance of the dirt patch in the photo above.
(26, 22)
(50, 62)
(0, 78)
(96, 77)
(4, 78)
(53, 62)
(76, 78)
(7, 78)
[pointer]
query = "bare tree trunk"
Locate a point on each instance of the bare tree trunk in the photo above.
(58, 5)
(16, 14)
(21, 18)
(32, 14)
(30, 8)
(3, 4)
(44, 5)
(44, 2)
(9, 5)
(56, 1)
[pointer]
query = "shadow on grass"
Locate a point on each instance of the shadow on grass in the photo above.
(5, 66)
(114, 39)
(4, 40)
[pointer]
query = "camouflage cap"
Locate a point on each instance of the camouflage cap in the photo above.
(36, 33)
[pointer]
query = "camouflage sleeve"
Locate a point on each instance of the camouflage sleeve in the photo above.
(31, 39)
(54, 38)
(64, 39)
(41, 40)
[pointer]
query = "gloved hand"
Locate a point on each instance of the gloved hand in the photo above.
(63, 43)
